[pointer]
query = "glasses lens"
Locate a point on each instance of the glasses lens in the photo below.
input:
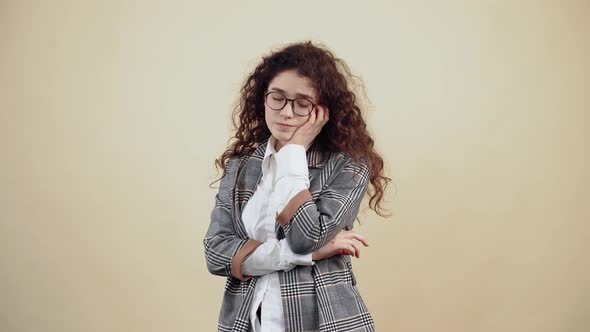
(302, 106)
(275, 100)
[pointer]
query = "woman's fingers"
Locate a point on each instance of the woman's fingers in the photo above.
(325, 115)
(343, 251)
(351, 249)
(361, 239)
(352, 235)
(313, 118)
(322, 115)
(319, 117)
(348, 245)
(345, 246)
(356, 250)
(345, 243)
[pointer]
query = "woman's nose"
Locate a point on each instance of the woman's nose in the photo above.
(287, 111)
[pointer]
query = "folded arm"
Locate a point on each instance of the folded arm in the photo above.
(292, 176)
(224, 249)
(309, 224)
(273, 255)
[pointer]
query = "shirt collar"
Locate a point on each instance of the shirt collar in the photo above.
(270, 147)
(315, 157)
(270, 150)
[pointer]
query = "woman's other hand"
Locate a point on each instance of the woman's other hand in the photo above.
(342, 244)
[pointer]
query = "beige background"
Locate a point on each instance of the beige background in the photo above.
(112, 113)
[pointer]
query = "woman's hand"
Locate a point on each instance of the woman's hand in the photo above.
(305, 134)
(342, 244)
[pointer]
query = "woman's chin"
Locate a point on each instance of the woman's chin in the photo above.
(282, 136)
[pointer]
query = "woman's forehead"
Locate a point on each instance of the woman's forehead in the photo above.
(292, 84)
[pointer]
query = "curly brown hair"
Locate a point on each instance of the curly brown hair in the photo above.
(346, 131)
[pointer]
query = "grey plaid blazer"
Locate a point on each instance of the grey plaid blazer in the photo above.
(320, 297)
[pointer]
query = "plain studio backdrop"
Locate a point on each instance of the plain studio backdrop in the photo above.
(113, 112)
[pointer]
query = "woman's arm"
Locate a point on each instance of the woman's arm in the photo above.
(224, 250)
(309, 224)
(273, 255)
(292, 176)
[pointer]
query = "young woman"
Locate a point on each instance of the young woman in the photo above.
(281, 230)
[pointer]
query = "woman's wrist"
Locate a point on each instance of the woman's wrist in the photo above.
(314, 256)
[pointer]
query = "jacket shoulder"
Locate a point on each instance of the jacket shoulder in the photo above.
(344, 160)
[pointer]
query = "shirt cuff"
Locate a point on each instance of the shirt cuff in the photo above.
(292, 161)
(289, 259)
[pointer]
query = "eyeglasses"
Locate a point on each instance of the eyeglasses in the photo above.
(277, 101)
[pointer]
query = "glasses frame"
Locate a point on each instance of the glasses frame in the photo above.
(287, 100)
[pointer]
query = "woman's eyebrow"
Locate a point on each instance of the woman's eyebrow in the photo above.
(297, 94)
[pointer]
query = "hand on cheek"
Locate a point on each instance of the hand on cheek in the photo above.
(306, 133)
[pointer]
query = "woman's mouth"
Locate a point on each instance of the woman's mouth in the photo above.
(284, 126)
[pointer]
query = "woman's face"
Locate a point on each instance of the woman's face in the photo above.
(283, 123)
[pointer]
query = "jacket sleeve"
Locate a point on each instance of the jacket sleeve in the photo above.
(224, 250)
(309, 224)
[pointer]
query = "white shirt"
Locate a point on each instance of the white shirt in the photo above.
(284, 174)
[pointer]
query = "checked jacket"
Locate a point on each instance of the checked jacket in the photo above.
(321, 297)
